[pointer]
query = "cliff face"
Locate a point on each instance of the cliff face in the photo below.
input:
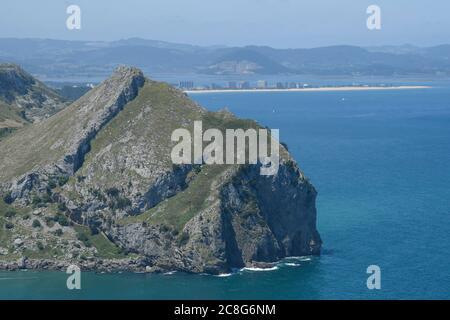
(240, 225)
(98, 179)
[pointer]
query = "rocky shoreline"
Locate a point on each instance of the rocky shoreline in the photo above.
(97, 265)
(132, 265)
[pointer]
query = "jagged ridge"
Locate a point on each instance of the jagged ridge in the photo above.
(58, 145)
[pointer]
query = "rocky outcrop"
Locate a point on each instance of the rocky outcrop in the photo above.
(100, 172)
(80, 123)
(243, 227)
(29, 97)
(114, 93)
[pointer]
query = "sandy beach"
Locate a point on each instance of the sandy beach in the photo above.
(348, 88)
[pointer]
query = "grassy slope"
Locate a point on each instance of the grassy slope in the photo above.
(202, 191)
(11, 117)
(10, 120)
(139, 137)
(44, 142)
(34, 87)
(105, 248)
(147, 121)
(179, 209)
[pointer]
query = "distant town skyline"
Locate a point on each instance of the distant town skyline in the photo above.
(275, 23)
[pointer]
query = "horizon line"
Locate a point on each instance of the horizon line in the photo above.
(227, 46)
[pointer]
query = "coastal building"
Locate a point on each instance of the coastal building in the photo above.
(261, 84)
(293, 85)
(280, 85)
(232, 85)
(186, 84)
(244, 85)
(215, 86)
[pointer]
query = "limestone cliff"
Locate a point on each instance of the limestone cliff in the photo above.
(94, 185)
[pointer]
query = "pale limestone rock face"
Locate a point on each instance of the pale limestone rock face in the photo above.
(104, 163)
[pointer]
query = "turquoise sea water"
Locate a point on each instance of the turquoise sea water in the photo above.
(380, 161)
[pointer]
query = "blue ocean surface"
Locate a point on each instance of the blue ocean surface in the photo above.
(380, 161)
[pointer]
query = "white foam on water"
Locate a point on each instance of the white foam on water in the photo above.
(169, 273)
(299, 258)
(290, 264)
(260, 269)
(305, 259)
(223, 275)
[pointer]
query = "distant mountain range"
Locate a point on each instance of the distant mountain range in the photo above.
(84, 59)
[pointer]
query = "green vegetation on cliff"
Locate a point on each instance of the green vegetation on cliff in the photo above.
(95, 182)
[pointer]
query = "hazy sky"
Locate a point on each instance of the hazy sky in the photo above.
(278, 23)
